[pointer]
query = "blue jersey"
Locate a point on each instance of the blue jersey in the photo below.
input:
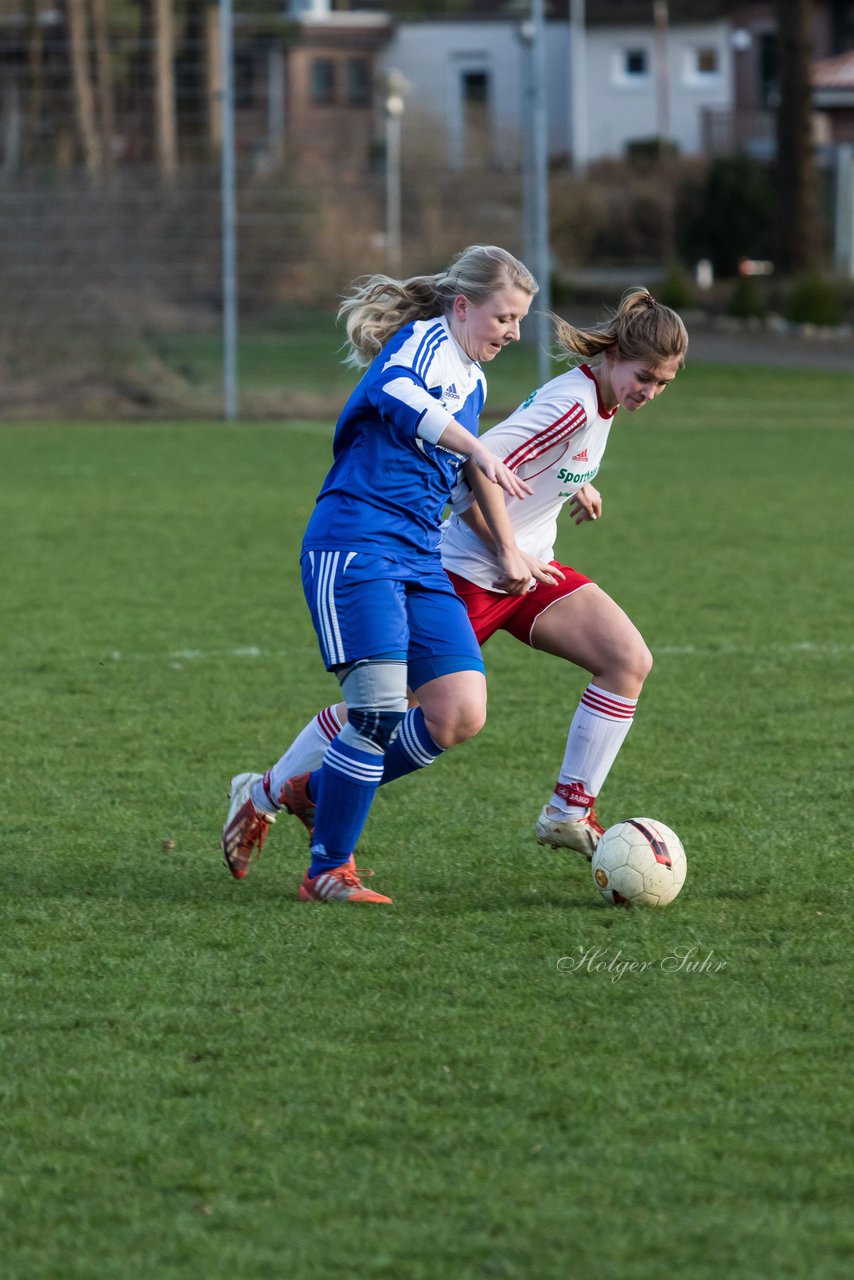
(390, 482)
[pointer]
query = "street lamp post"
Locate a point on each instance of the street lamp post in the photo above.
(540, 155)
(394, 105)
(535, 179)
(661, 18)
(578, 86)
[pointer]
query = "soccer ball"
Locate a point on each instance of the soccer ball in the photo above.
(639, 861)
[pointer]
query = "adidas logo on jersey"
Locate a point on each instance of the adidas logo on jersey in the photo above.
(451, 392)
(580, 457)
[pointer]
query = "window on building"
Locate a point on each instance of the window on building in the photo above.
(768, 68)
(244, 78)
(322, 81)
(842, 26)
(706, 62)
(475, 87)
(477, 134)
(359, 86)
(635, 63)
(702, 64)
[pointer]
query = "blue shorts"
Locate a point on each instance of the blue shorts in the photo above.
(366, 606)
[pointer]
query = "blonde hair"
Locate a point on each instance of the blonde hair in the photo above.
(377, 307)
(640, 329)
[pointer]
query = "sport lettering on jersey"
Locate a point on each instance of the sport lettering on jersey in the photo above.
(576, 477)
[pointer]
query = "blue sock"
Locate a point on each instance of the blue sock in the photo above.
(412, 747)
(343, 787)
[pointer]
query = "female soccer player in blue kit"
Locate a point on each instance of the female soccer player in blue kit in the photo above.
(384, 610)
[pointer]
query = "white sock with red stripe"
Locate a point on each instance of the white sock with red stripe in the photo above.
(307, 750)
(597, 732)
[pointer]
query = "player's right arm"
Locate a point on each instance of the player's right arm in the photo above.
(405, 401)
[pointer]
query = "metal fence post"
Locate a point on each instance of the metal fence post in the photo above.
(229, 215)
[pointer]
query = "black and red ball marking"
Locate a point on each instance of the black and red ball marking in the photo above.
(659, 849)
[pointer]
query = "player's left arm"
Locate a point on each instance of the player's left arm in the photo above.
(586, 504)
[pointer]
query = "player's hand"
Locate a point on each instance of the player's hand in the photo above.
(526, 570)
(514, 574)
(495, 470)
(543, 571)
(586, 504)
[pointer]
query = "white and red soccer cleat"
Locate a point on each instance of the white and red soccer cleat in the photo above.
(580, 834)
(245, 828)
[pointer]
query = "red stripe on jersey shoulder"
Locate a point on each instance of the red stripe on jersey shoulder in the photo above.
(561, 429)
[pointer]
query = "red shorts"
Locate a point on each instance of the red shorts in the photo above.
(491, 611)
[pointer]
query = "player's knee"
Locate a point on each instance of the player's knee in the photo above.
(459, 722)
(635, 663)
(644, 662)
(375, 692)
(370, 728)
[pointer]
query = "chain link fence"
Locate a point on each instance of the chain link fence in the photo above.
(110, 197)
(111, 230)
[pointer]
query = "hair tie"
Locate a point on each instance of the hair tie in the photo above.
(649, 300)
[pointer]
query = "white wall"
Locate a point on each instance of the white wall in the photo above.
(622, 107)
(433, 57)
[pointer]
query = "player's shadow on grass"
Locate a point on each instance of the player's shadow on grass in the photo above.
(198, 875)
(737, 895)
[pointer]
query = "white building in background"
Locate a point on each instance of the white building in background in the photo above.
(468, 82)
(644, 84)
(473, 80)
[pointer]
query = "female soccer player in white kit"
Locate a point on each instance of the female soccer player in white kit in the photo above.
(555, 442)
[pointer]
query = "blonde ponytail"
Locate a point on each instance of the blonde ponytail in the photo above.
(377, 306)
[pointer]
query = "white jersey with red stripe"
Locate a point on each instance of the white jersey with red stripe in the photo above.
(554, 441)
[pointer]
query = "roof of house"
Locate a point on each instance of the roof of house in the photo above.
(640, 12)
(834, 73)
(597, 12)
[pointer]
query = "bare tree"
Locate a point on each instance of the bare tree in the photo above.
(84, 98)
(35, 59)
(797, 216)
(164, 69)
(104, 79)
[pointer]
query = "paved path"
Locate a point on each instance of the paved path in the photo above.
(727, 342)
(763, 346)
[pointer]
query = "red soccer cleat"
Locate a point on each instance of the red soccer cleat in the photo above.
(296, 800)
(342, 884)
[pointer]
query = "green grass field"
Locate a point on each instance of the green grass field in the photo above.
(202, 1078)
(294, 369)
